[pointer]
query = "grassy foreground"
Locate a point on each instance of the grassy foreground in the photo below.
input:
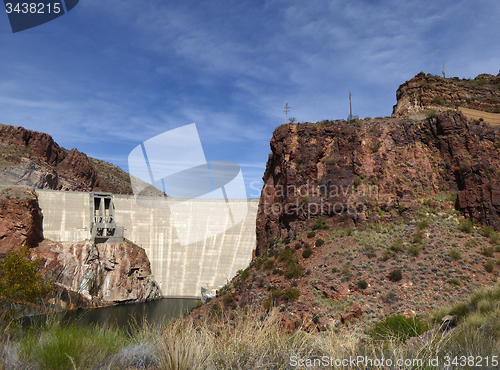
(240, 340)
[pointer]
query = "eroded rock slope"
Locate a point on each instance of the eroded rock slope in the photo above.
(372, 170)
(104, 274)
(33, 159)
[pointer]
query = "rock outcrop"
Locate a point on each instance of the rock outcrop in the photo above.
(104, 274)
(20, 219)
(33, 159)
(352, 173)
(85, 274)
(424, 92)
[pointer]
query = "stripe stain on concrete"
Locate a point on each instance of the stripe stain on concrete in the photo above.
(181, 271)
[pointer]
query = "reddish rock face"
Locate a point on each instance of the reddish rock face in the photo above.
(104, 274)
(33, 159)
(20, 220)
(425, 92)
(377, 170)
(41, 144)
(76, 166)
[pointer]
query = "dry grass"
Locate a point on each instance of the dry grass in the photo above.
(242, 340)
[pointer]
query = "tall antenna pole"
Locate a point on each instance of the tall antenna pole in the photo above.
(350, 106)
(287, 109)
(444, 71)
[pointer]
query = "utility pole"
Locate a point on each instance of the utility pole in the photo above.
(444, 71)
(287, 109)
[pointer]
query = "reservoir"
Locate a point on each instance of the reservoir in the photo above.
(123, 316)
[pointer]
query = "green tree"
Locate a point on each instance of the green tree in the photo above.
(20, 283)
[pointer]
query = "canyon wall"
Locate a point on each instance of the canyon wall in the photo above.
(366, 171)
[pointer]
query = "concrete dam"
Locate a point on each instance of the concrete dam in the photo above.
(181, 269)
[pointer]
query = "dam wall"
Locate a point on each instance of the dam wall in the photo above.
(180, 270)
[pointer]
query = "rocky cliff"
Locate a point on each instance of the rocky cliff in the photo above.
(33, 159)
(104, 274)
(372, 170)
(95, 275)
(85, 274)
(20, 219)
(362, 219)
(424, 92)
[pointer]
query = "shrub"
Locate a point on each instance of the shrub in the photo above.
(278, 272)
(269, 264)
(20, 283)
(298, 246)
(423, 224)
(306, 253)
(455, 281)
(460, 310)
(398, 328)
(258, 263)
(319, 224)
(228, 299)
(418, 237)
(293, 270)
(437, 100)
(471, 243)
(245, 274)
(386, 255)
(215, 309)
(490, 265)
(490, 233)
(495, 238)
(487, 231)
(395, 275)
(291, 294)
(487, 251)
(319, 242)
(311, 234)
(362, 284)
(276, 294)
(466, 225)
(455, 254)
(346, 270)
(397, 246)
(414, 250)
(267, 304)
(286, 255)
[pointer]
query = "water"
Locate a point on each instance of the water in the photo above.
(123, 316)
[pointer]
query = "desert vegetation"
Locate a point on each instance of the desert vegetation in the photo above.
(239, 339)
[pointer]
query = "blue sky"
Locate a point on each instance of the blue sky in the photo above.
(111, 74)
